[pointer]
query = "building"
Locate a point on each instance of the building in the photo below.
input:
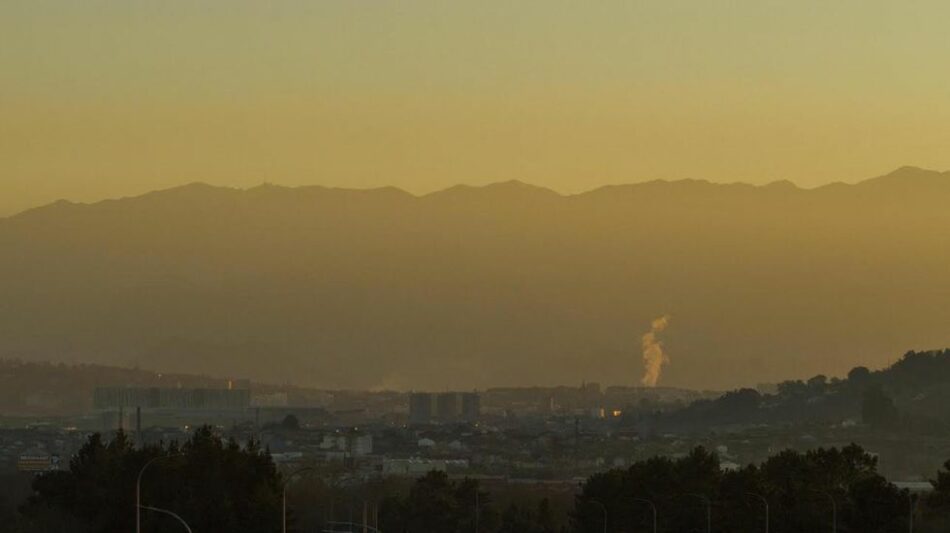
(412, 467)
(353, 444)
(417, 467)
(448, 407)
(361, 445)
(274, 399)
(167, 398)
(444, 407)
(38, 461)
(420, 408)
(471, 407)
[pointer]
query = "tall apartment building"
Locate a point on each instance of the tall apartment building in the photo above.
(444, 407)
(420, 408)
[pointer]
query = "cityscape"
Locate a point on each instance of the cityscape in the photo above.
(521, 446)
(329, 266)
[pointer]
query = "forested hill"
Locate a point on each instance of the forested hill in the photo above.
(911, 394)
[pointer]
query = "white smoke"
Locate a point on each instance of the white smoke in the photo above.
(653, 356)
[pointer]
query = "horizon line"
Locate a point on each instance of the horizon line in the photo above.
(464, 186)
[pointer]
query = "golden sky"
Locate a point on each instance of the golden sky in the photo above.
(103, 98)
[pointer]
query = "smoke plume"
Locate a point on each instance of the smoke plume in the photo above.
(653, 356)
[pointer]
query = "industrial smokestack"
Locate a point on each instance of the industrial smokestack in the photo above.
(138, 425)
(653, 356)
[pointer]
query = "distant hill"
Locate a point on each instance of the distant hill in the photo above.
(911, 396)
(45, 389)
(507, 284)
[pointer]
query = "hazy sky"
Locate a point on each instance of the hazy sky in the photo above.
(105, 98)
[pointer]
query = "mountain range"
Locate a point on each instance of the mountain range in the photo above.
(469, 287)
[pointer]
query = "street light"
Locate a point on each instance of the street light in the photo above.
(349, 527)
(912, 501)
(708, 503)
(284, 496)
(834, 510)
(652, 506)
(169, 513)
(476, 509)
(604, 508)
(138, 490)
(766, 502)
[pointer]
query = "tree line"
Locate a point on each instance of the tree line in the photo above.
(220, 485)
(794, 492)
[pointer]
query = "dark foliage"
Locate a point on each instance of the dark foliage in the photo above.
(437, 504)
(290, 423)
(798, 487)
(878, 409)
(212, 484)
(518, 519)
(912, 394)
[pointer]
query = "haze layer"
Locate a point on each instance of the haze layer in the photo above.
(499, 285)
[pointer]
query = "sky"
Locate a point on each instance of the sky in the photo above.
(107, 98)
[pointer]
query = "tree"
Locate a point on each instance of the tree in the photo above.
(940, 497)
(290, 423)
(859, 375)
(14, 488)
(797, 487)
(666, 483)
(523, 519)
(876, 506)
(214, 485)
(937, 508)
(878, 409)
(818, 383)
(436, 504)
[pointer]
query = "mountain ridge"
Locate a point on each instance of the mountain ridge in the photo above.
(500, 285)
(899, 177)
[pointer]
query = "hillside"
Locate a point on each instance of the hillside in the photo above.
(45, 389)
(507, 284)
(910, 396)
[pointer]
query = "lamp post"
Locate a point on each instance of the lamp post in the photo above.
(169, 513)
(284, 496)
(834, 510)
(476, 509)
(652, 507)
(604, 509)
(708, 503)
(911, 501)
(766, 502)
(333, 525)
(138, 490)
